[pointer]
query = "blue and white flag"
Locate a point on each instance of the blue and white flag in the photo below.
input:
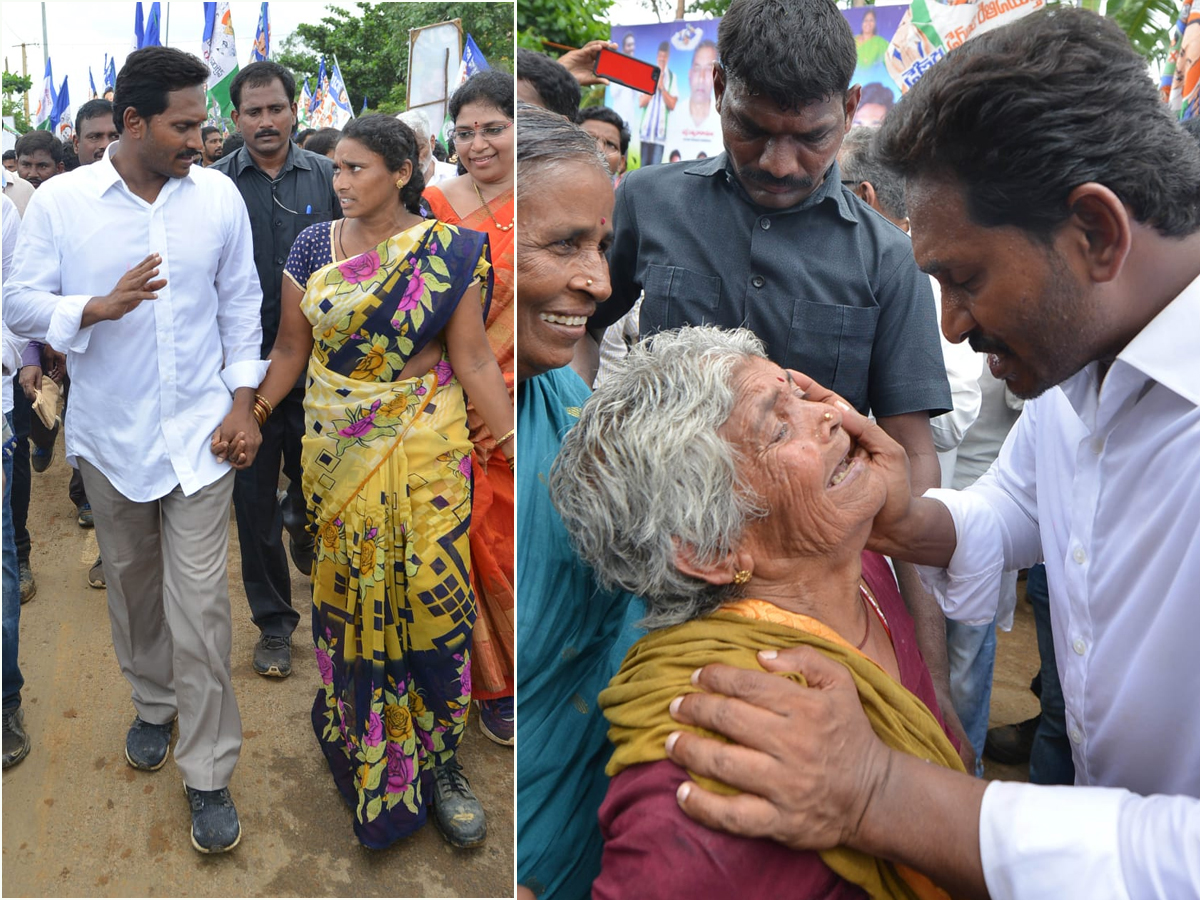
(262, 37)
(41, 115)
(92, 84)
(342, 110)
(60, 115)
(138, 34)
(110, 73)
(305, 101)
(153, 26)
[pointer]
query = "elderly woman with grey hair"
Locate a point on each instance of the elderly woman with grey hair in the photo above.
(712, 483)
(571, 633)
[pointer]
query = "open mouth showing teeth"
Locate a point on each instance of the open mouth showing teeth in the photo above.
(563, 320)
(843, 468)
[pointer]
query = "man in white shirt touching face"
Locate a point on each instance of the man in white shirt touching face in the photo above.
(160, 321)
(1064, 226)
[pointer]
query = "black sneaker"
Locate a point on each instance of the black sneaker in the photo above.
(458, 814)
(16, 739)
(147, 744)
(39, 457)
(273, 656)
(28, 585)
(215, 825)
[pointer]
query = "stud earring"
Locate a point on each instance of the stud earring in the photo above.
(741, 577)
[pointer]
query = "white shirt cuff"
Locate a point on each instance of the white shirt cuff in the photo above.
(64, 333)
(968, 591)
(247, 373)
(1037, 841)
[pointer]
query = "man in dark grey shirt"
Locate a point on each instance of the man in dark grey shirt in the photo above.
(286, 189)
(765, 236)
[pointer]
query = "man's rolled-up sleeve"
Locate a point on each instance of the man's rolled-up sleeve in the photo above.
(996, 528)
(34, 307)
(239, 301)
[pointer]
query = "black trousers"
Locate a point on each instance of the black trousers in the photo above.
(266, 572)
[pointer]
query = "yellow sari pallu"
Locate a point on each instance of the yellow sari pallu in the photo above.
(387, 474)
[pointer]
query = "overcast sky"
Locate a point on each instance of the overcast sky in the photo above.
(81, 33)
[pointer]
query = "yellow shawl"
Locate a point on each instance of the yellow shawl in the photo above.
(658, 669)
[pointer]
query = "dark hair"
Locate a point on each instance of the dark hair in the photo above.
(93, 109)
(396, 143)
(232, 144)
(546, 139)
(793, 51)
(705, 44)
(70, 159)
(555, 85)
(859, 161)
(304, 135)
(258, 74)
(148, 76)
(664, 47)
(9, 154)
(1023, 115)
(877, 93)
(323, 140)
(674, 156)
(30, 143)
(604, 114)
(207, 130)
(492, 87)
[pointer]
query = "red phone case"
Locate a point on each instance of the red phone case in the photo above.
(641, 76)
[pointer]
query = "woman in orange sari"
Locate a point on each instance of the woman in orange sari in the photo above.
(482, 200)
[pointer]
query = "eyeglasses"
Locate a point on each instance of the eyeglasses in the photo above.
(466, 135)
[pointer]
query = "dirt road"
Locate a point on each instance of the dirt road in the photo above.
(78, 821)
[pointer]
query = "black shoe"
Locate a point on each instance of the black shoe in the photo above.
(96, 575)
(39, 457)
(16, 739)
(215, 825)
(85, 519)
(28, 585)
(1011, 744)
(147, 744)
(458, 814)
(273, 656)
(303, 551)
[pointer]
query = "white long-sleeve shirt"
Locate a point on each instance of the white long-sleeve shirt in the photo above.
(1103, 483)
(9, 344)
(149, 389)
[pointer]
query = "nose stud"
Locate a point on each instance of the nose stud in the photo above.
(589, 282)
(828, 417)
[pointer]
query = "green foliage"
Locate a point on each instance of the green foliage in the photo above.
(1147, 22)
(371, 45)
(569, 22)
(14, 87)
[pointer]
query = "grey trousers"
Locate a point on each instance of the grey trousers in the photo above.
(168, 603)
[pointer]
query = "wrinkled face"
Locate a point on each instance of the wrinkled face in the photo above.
(1008, 295)
(487, 157)
(700, 76)
(362, 181)
(94, 135)
(565, 227)
(608, 139)
(37, 167)
(265, 118)
(212, 147)
(167, 143)
(781, 156)
(819, 488)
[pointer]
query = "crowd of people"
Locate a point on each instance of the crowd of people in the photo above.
(327, 324)
(770, 519)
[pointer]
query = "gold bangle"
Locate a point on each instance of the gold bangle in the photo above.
(512, 432)
(260, 415)
(267, 403)
(512, 463)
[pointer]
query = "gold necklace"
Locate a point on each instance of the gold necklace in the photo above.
(508, 227)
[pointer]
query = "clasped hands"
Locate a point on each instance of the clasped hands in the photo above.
(238, 437)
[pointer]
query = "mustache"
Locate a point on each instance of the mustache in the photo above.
(981, 344)
(791, 182)
(267, 132)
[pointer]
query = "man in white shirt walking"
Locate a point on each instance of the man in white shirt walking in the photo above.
(162, 333)
(1064, 225)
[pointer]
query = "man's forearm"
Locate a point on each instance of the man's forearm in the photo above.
(927, 818)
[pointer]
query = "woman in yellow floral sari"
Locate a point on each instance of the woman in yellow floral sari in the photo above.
(390, 307)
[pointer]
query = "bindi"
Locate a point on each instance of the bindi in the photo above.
(603, 220)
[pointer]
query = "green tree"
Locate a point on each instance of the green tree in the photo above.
(571, 23)
(371, 44)
(14, 87)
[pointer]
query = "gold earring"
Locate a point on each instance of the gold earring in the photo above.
(400, 183)
(453, 158)
(741, 577)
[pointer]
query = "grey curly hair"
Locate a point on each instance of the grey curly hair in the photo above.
(645, 472)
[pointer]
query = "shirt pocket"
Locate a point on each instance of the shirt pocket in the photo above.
(677, 297)
(832, 344)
